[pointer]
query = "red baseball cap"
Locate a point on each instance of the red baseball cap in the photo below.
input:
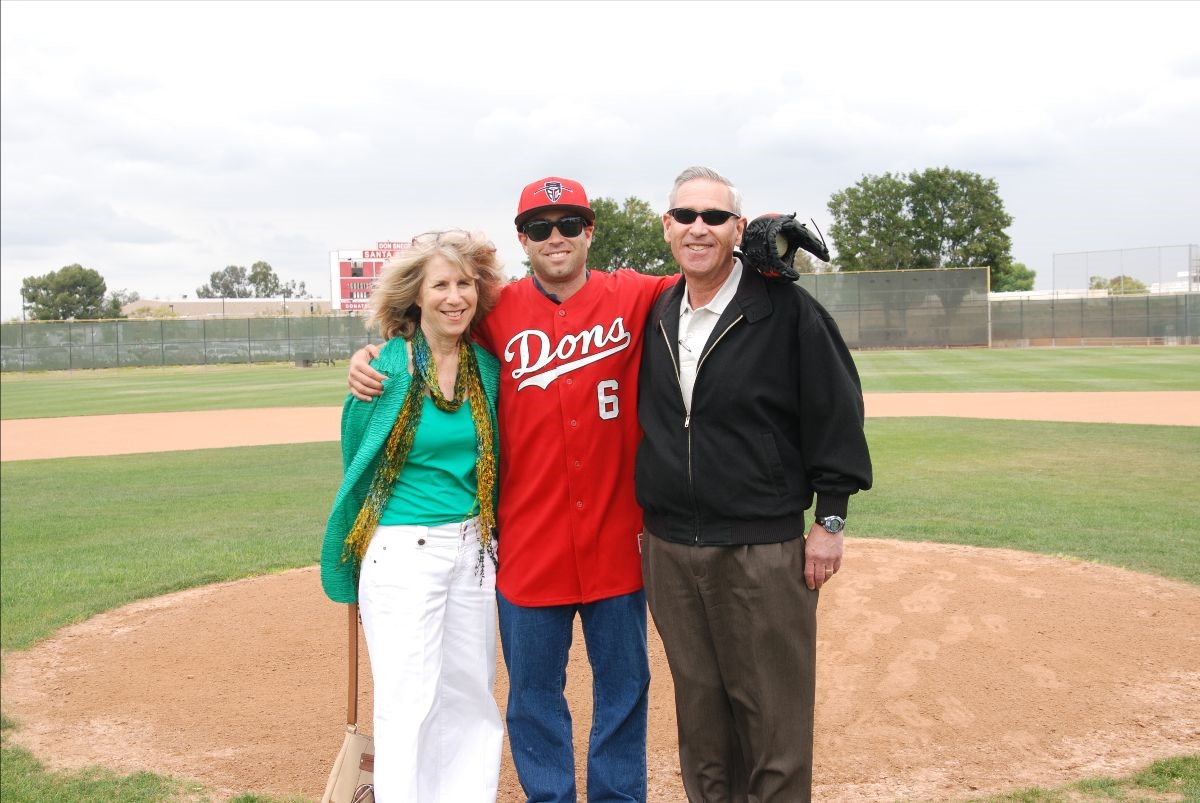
(553, 192)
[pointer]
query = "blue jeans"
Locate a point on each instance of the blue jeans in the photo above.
(536, 643)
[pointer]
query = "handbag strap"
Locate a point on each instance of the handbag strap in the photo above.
(352, 669)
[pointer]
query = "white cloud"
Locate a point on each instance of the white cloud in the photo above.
(562, 125)
(65, 220)
(158, 142)
(808, 127)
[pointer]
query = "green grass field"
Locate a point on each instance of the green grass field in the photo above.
(973, 370)
(50, 394)
(214, 387)
(83, 535)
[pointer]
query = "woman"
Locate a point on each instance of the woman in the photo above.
(411, 535)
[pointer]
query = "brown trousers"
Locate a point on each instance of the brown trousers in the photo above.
(740, 631)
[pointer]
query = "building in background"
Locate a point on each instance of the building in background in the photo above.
(352, 274)
(225, 307)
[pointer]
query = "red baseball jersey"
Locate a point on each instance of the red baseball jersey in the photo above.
(568, 520)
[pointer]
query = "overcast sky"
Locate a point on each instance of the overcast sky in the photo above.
(158, 142)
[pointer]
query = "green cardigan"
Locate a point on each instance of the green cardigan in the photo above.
(365, 430)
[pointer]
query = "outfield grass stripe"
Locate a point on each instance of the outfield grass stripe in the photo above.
(1061, 369)
(171, 389)
(216, 387)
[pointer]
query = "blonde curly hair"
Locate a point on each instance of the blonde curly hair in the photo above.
(393, 306)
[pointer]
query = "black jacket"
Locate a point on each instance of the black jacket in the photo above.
(777, 414)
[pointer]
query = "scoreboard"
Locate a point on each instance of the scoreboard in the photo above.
(352, 274)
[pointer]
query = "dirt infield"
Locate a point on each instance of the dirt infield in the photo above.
(944, 672)
(36, 438)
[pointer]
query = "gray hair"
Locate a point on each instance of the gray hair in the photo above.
(708, 174)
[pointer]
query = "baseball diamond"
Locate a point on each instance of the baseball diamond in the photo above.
(906, 708)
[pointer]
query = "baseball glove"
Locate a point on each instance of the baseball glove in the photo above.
(771, 241)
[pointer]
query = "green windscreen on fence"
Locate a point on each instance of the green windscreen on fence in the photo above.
(68, 345)
(1169, 318)
(906, 308)
(896, 309)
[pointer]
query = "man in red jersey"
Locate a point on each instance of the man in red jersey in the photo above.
(569, 341)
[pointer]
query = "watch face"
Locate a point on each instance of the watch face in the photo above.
(833, 524)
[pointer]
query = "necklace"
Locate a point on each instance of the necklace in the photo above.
(426, 366)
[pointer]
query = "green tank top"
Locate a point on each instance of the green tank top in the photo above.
(437, 484)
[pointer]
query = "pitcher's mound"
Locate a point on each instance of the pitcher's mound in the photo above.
(943, 672)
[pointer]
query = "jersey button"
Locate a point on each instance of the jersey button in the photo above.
(578, 464)
(562, 313)
(579, 504)
(573, 422)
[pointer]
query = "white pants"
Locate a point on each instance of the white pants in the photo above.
(430, 626)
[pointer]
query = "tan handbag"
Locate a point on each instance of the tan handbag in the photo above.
(352, 777)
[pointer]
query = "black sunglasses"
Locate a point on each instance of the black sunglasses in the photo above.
(711, 217)
(539, 230)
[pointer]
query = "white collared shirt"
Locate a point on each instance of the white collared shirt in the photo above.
(695, 327)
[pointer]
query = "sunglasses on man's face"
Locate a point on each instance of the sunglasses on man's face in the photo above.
(711, 217)
(539, 230)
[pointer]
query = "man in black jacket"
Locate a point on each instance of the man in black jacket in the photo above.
(750, 405)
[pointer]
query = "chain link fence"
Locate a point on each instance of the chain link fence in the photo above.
(1156, 269)
(874, 310)
(67, 345)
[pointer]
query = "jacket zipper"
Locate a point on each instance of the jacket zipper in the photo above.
(687, 415)
(687, 421)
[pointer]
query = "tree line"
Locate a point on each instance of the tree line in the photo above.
(71, 292)
(78, 293)
(259, 282)
(935, 218)
(938, 218)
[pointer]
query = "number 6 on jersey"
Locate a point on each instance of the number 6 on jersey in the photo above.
(606, 396)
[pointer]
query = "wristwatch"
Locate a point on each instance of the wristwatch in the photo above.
(832, 524)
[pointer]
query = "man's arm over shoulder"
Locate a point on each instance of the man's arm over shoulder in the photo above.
(365, 382)
(652, 284)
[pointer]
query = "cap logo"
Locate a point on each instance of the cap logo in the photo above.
(553, 190)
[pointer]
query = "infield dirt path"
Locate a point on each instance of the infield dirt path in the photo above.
(36, 438)
(944, 672)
